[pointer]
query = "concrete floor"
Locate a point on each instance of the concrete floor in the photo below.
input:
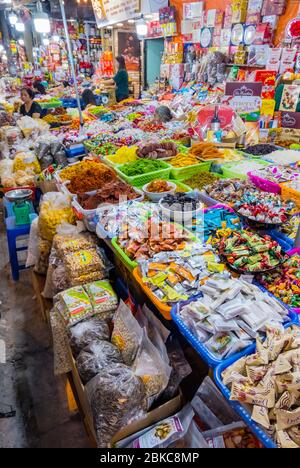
(27, 382)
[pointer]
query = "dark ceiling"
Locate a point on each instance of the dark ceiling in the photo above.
(82, 11)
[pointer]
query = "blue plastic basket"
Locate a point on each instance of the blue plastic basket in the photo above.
(260, 433)
(285, 242)
(201, 349)
(79, 150)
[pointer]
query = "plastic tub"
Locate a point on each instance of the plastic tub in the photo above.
(184, 173)
(140, 180)
(163, 309)
(130, 264)
(238, 407)
(201, 349)
(156, 197)
(230, 173)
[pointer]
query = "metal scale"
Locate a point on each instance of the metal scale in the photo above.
(22, 205)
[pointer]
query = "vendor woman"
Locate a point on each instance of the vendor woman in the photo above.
(120, 80)
(30, 108)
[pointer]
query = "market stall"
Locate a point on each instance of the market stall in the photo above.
(163, 235)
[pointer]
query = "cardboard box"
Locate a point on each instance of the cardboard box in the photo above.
(164, 411)
(273, 62)
(153, 417)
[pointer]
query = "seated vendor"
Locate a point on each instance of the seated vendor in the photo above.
(163, 114)
(30, 108)
(39, 88)
(88, 98)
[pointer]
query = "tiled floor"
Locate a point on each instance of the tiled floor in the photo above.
(27, 382)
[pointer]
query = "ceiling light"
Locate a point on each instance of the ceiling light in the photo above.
(12, 18)
(46, 41)
(20, 27)
(21, 42)
(141, 27)
(42, 23)
(131, 21)
(120, 25)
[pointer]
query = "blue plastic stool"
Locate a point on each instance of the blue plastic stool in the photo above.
(13, 232)
(9, 208)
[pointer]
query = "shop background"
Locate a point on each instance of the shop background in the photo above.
(129, 47)
(153, 51)
(292, 10)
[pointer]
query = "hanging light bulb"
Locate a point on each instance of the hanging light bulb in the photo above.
(20, 27)
(41, 20)
(12, 18)
(21, 42)
(141, 27)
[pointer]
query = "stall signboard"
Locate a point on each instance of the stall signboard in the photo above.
(114, 11)
(243, 89)
(290, 120)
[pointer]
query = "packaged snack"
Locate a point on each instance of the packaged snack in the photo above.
(127, 333)
(95, 357)
(74, 305)
(54, 210)
(84, 333)
(116, 396)
(82, 262)
(103, 298)
(152, 369)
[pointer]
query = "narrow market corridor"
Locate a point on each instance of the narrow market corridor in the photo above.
(28, 386)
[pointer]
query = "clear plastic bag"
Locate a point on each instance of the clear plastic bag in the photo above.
(44, 251)
(116, 397)
(96, 357)
(84, 333)
(62, 364)
(213, 398)
(74, 305)
(33, 247)
(103, 299)
(152, 369)
(127, 333)
(54, 210)
(180, 368)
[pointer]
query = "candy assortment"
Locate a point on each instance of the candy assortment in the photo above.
(284, 283)
(229, 191)
(268, 382)
(278, 174)
(249, 252)
(230, 314)
(176, 275)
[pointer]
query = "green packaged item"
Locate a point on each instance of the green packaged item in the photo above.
(103, 298)
(74, 305)
(141, 167)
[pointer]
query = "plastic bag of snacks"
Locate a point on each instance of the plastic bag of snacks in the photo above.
(152, 369)
(74, 305)
(25, 161)
(33, 249)
(127, 333)
(97, 356)
(55, 209)
(84, 333)
(116, 397)
(103, 299)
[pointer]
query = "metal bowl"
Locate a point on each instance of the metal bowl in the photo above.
(19, 195)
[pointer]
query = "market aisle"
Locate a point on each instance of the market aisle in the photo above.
(27, 382)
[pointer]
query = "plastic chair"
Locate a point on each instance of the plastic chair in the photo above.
(13, 232)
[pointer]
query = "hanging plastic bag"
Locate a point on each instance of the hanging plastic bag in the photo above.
(152, 369)
(180, 368)
(127, 333)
